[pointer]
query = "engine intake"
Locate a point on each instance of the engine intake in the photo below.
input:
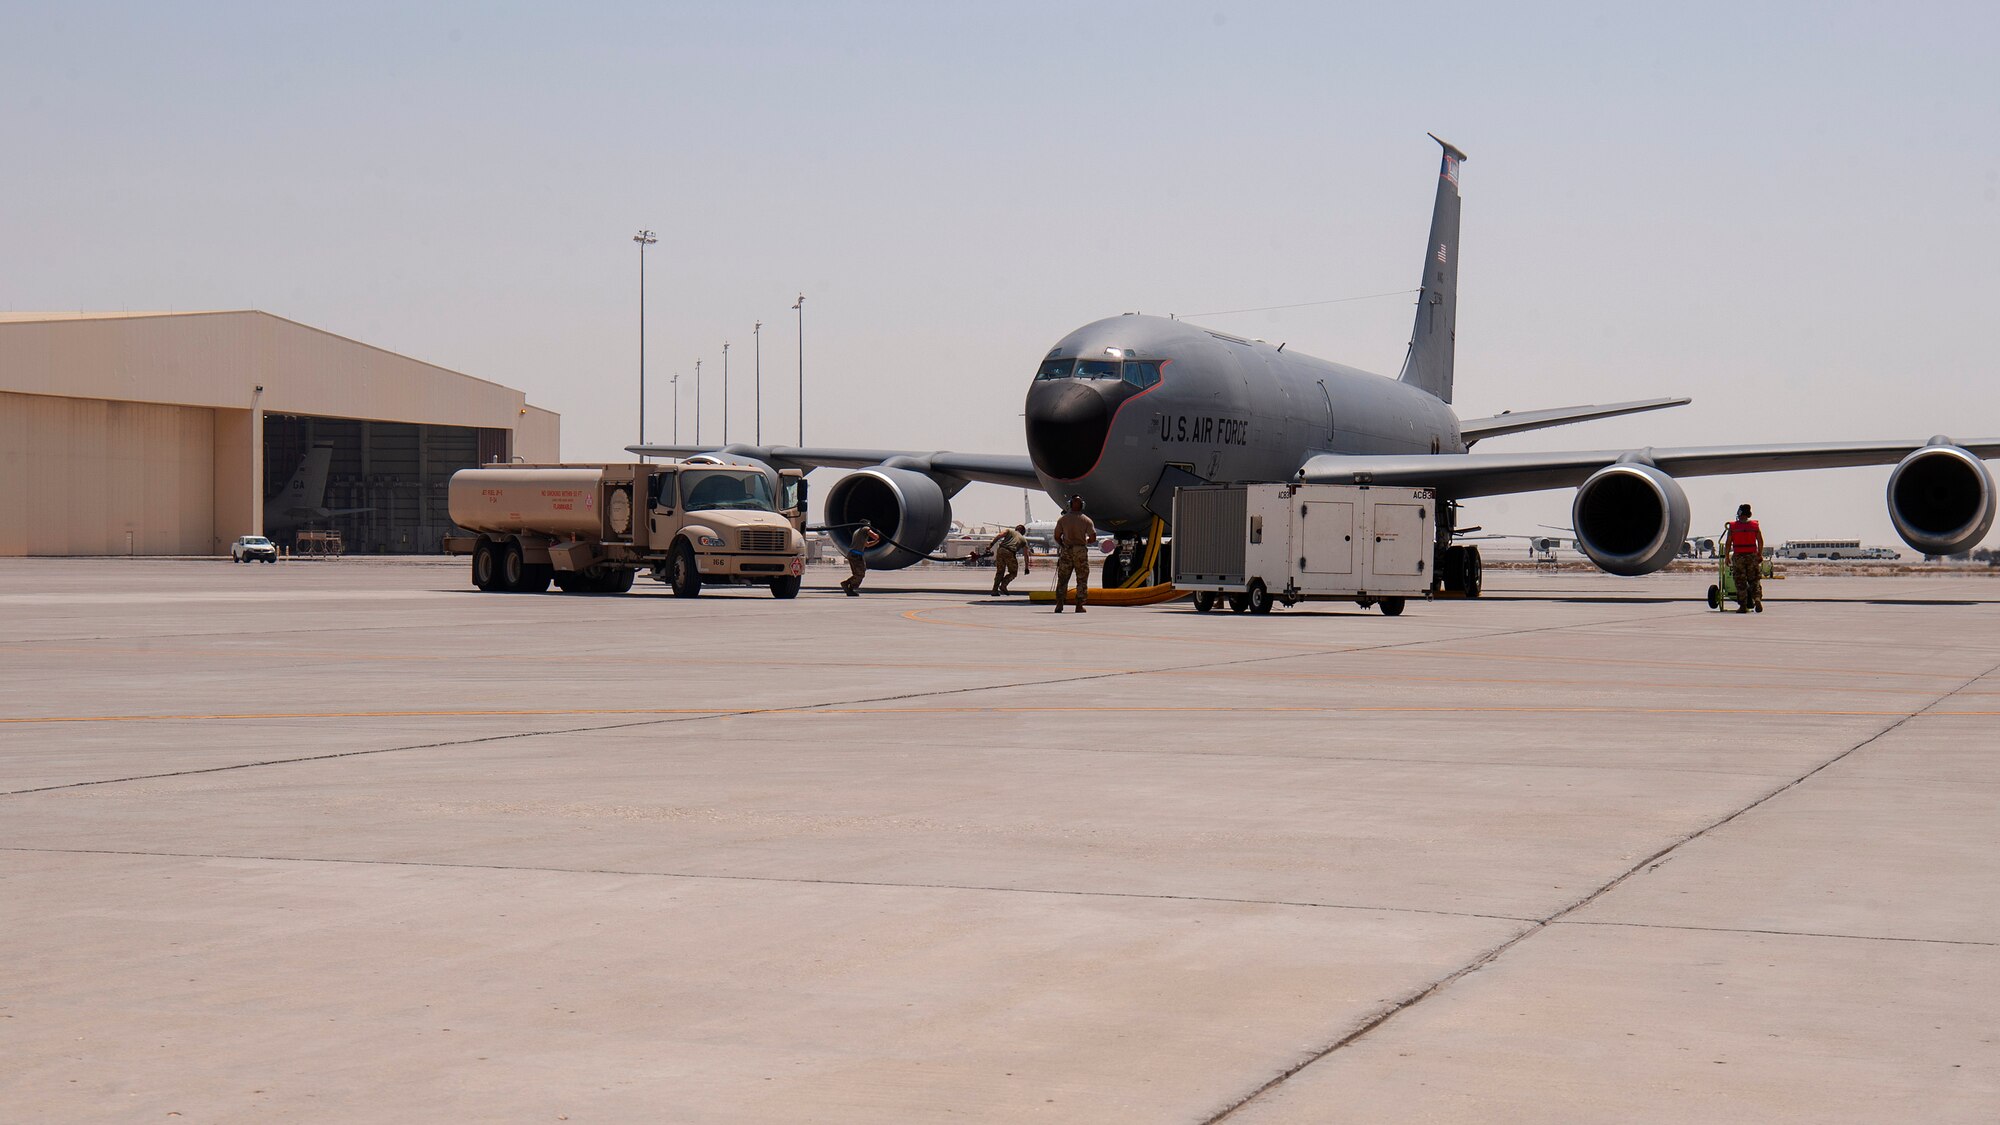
(908, 509)
(1941, 499)
(1630, 518)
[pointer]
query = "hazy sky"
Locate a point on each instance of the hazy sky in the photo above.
(1787, 212)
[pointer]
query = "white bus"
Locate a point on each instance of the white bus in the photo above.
(1831, 549)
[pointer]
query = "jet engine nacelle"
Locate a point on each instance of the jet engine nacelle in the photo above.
(1941, 499)
(908, 509)
(1630, 518)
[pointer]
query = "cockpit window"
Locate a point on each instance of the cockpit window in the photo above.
(1141, 373)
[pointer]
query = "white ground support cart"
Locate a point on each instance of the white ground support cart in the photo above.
(1259, 544)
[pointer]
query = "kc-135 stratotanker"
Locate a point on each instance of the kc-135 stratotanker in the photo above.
(1124, 410)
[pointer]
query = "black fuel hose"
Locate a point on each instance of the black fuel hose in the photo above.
(893, 543)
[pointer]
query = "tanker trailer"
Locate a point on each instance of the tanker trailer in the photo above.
(590, 529)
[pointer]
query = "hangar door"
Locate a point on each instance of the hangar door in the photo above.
(382, 485)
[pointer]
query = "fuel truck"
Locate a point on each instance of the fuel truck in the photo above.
(590, 529)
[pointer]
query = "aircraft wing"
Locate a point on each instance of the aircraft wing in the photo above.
(1462, 475)
(1512, 422)
(1011, 469)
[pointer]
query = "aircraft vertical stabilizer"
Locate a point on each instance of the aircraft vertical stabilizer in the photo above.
(1428, 367)
(307, 488)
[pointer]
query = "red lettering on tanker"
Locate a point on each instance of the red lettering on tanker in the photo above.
(562, 499)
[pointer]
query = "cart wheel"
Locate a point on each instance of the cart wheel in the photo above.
(1392, 607)
(1258, 596)
(1714, 597)
(1204, 600)
(1239, 603)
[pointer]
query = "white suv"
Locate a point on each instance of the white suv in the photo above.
(250, 548)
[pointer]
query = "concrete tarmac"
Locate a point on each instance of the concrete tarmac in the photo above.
(350, 841)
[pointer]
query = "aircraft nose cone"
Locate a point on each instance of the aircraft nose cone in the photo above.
(1068, 421)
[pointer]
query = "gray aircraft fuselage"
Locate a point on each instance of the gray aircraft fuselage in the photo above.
(1100, 425)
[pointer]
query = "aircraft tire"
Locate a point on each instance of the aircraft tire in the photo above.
(1451, 570)
(1204, 600)
(685, 575)
(1258, 596)
(1391, 607)
(1114, 570)
(786, 588)
(1473, 576)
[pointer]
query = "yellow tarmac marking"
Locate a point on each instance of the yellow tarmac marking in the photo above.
(1358, 709)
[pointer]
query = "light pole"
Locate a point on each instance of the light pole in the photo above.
(697, 402)
(800, 306)
(757, 350)
(675, 382)
(644, 238)
(725, 392)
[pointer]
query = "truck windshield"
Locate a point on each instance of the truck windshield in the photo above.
(733, 489)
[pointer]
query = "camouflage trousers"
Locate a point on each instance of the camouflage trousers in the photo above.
(1072, 561)
(859, 566)
(1747, 571)
(1005, 567)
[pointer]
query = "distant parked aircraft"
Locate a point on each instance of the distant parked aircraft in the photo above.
(302, 500)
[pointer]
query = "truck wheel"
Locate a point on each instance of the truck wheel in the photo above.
(485, 567)
(535, 578)
(570, 582)
(685, 576)
(1475, 573)
(619, 581)
(513, 572)
(1392, 607)
(1258, 597)
(1204, 600)
(785, 588)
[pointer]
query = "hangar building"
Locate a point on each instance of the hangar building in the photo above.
(174, 433)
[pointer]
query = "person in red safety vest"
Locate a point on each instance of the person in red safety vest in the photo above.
(1746, 560)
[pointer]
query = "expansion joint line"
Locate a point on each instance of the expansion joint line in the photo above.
(1541, 925)
(740, 713)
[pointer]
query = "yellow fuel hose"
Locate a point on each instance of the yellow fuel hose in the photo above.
(1122, 595)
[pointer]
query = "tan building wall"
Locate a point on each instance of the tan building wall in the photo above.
(218, 359)
(539, 437)
(151, 424)
(88, 477)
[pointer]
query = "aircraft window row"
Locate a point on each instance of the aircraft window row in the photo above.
(1140, 373)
